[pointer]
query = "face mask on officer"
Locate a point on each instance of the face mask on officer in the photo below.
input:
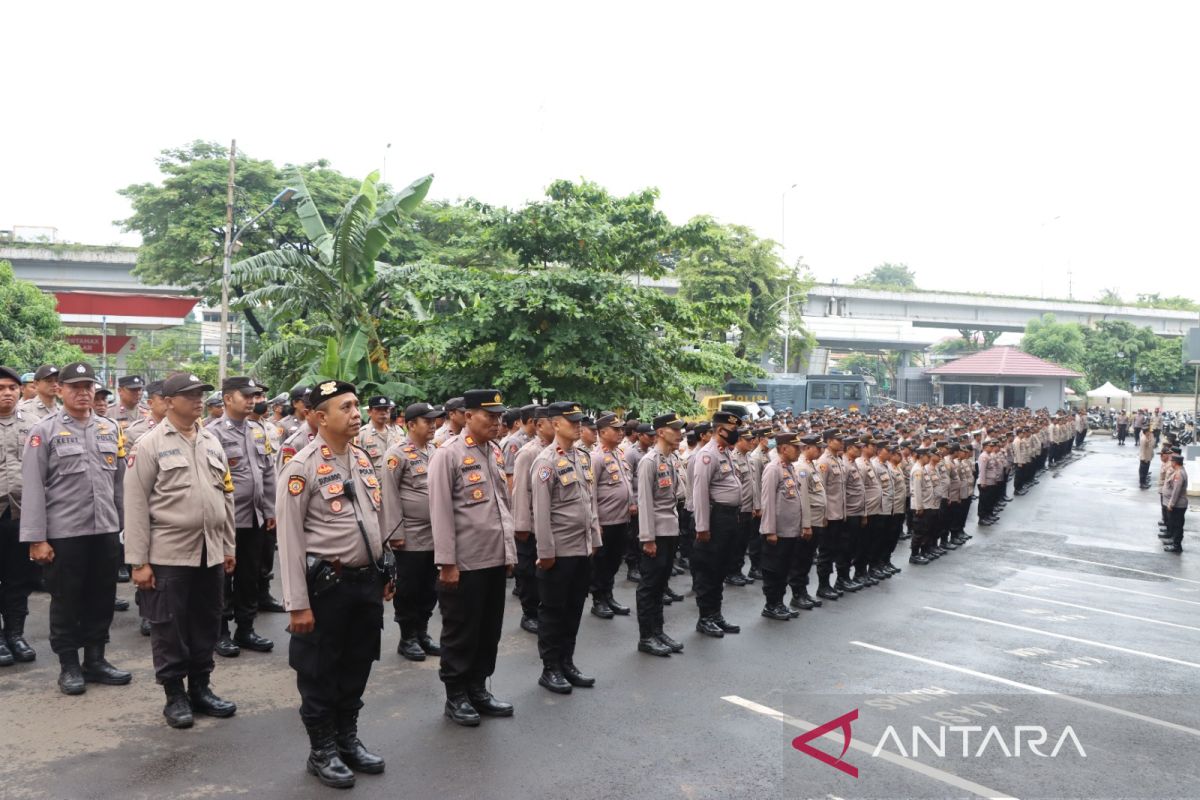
(729, 436)
(260, 408)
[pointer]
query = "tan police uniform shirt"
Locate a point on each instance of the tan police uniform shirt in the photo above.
(614, 492)
(406, 496)
(72, 477)
(468, 506)
(316, 517)
(36, 410)
(715, 481)
(657, 498)
(249, 455)
(178, 499)
(14, 433)
(783, 501)
(563, 494)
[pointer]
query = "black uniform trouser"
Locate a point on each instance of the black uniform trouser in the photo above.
(241, 588)
(266, 562)
(687, 530)
(927, 527)
(526, 575)
(82, 581)
(844, 533)
(741, 542)
(607, 563)
(184, 612)
(1175, 524)
(416, 591)
(633, 548)
(472, 618)
(1122, 433)
(655, 574)
(985, 501)
(710, 560)
(17, 573)
(1143, 472)
(895, 528)
(563, 589)
(779, 562)
(333, 661)
(754, 545)
(879, 528)
(862, 543)
(807, 551)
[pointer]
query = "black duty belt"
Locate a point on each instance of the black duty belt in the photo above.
(723, 508)
(359, 574)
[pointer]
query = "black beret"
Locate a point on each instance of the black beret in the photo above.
(327, 390)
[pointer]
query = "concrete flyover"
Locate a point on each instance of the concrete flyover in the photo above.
(827, 302)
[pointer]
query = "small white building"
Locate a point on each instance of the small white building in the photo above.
(1005, 377)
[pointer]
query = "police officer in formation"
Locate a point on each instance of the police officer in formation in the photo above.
(18, 575)
(617, 506)
(330, 547)
(72, 512)
(716, 497)
(407, 527)
(179, 534)
(659, 478)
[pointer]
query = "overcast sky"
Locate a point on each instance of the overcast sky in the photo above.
(1011, 147)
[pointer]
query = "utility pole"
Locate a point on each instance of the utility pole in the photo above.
(223, 354)
(787, 323)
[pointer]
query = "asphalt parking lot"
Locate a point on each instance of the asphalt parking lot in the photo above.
(1065, 614)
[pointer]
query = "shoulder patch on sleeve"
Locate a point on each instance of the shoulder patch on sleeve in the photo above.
(707, 459)
(295, 485)
(544, 474)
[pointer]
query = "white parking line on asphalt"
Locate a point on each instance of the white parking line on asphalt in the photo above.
(1102, 586)
(1110, 566)
(1035, 689)
(1085, 608)
(1041, 632)
(947, 778)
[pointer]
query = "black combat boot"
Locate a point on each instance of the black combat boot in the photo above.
(205, 701)
(323, 759)
(178, 709)
(350, 748)
(14, 635)
(96, 668)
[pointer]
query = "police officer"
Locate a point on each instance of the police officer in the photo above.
(455, 419)
(299, 438)
(249, 454)
(157, 405)
(328, 501)
(748, 506)
(45, 402)
(473, 549)
(100, 402)
(567, 530)
(659, 476)
(72, 475)
(129, 399)
(716, 496)
(817, 546)
(407, 528)
(838, 533)
(635, 450)
(179, 533)
(1175, 501)
(299, 410)
(924, 506)
(376, 435)
(522, 512)
(18, 574)
(512, 444)
(214, 406)
(786, 517)
(616, 502)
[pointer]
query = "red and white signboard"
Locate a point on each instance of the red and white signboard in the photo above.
(98, 345)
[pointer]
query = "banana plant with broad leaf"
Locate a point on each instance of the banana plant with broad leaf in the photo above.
(337, 290)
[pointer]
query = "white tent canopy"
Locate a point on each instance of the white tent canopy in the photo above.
(1110, 392)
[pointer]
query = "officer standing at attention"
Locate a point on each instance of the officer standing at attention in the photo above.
(832, 472)
(522, 512)
(129, 400)
(473, 549)
(1145, 446)
(786, 517)
(376, 435)
(328, 502)
(512, 444)
(18, 576)
(100, 402)
(407, 528)
(143, 425)
(249, 456)
(179, 533)
(716, 496)
(659, 476)
(567, 530)
(45, 401)
(456, 417)
(1175, 500)
(815, 547)
(72, 475)
(615, 501)
(295, 420)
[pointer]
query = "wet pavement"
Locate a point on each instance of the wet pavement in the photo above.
(1066, 613)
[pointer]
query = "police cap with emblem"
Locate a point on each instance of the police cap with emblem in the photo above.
(182, 382)
(667, 421)
(379, 401)
(76, 372)
(131, 382)
(486, 399)
(726, 418)
(646, 429)
(11, 374)
(240, 383)
(45, 371)
(327, 390)
(422, 410)
(608, 419)
(566, 409)
(454, 404)
(152, 388)
(812, 440)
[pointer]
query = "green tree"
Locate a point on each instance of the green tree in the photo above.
(738, 279)
(1112, 352)
(1110, 297)
(1175, 302)
(581, 225)
(1060, 342)
(182, 220)
(1161, 369)
(31, 332)
(336, 286)
(889, 277)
